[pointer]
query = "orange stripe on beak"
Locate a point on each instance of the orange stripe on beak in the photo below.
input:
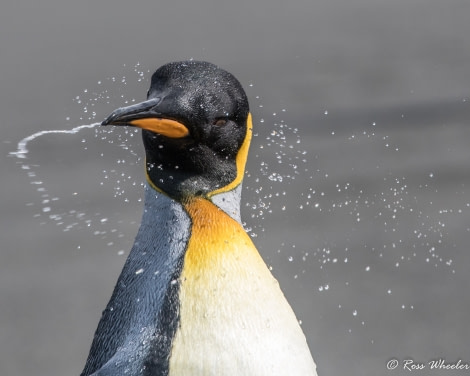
(165, 127)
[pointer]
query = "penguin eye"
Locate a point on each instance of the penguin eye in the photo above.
(219, 122)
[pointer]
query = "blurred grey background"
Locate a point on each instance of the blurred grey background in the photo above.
(357, 190)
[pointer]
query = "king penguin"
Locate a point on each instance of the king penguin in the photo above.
(194, 297)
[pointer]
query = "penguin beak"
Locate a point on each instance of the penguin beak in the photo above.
(144, 115)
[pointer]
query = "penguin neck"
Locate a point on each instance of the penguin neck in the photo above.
(156, 256)
(229, 202)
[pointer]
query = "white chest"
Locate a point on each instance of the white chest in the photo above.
(234, 319)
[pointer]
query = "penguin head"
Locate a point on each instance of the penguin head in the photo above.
(196, 129)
